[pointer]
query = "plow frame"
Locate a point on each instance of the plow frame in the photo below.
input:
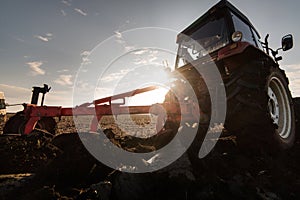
(105, 106)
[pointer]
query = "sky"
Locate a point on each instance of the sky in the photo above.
(52, 41)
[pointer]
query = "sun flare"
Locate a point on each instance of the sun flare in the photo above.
(148, 98)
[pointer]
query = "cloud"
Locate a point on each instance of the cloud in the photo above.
(62, 70)
(128, 48)
(46, 38)
(80, 11)
(66, 2)
(64, 80)
(140, 52)
(146, 56)
(85, 53)
(63, 12)
(118, 34)
(35, 68)
(84, 57)
(140, 61)
(115, 76)
(11, 90)
(19, 39)
(120, 39)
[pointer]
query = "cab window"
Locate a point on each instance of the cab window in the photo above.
(259, 45)
(239, 25)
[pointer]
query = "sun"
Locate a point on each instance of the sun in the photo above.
(149, 98)
(159, 78)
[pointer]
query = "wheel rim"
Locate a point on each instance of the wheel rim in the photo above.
(279, 107)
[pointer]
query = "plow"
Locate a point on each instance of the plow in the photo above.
(42, 117)
(257, 92)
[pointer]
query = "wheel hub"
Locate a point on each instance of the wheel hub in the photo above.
(279, 107)
(273, 106)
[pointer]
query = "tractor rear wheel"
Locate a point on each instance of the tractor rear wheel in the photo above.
(280, 106)
(261, 98)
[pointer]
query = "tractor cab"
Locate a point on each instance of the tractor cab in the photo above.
(221, 27)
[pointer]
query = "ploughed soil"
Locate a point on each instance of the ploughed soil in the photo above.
(42, 166)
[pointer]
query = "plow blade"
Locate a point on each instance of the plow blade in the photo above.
(16, 124)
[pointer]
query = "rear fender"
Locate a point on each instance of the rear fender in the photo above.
(238, 54)
(232, 49)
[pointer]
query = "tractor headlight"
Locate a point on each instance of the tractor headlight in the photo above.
(237, 36)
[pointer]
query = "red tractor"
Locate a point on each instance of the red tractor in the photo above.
(257, 92)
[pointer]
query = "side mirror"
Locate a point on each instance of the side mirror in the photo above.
(287, 42)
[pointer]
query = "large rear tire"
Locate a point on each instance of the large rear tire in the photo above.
(281, 110)
(259, 97)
